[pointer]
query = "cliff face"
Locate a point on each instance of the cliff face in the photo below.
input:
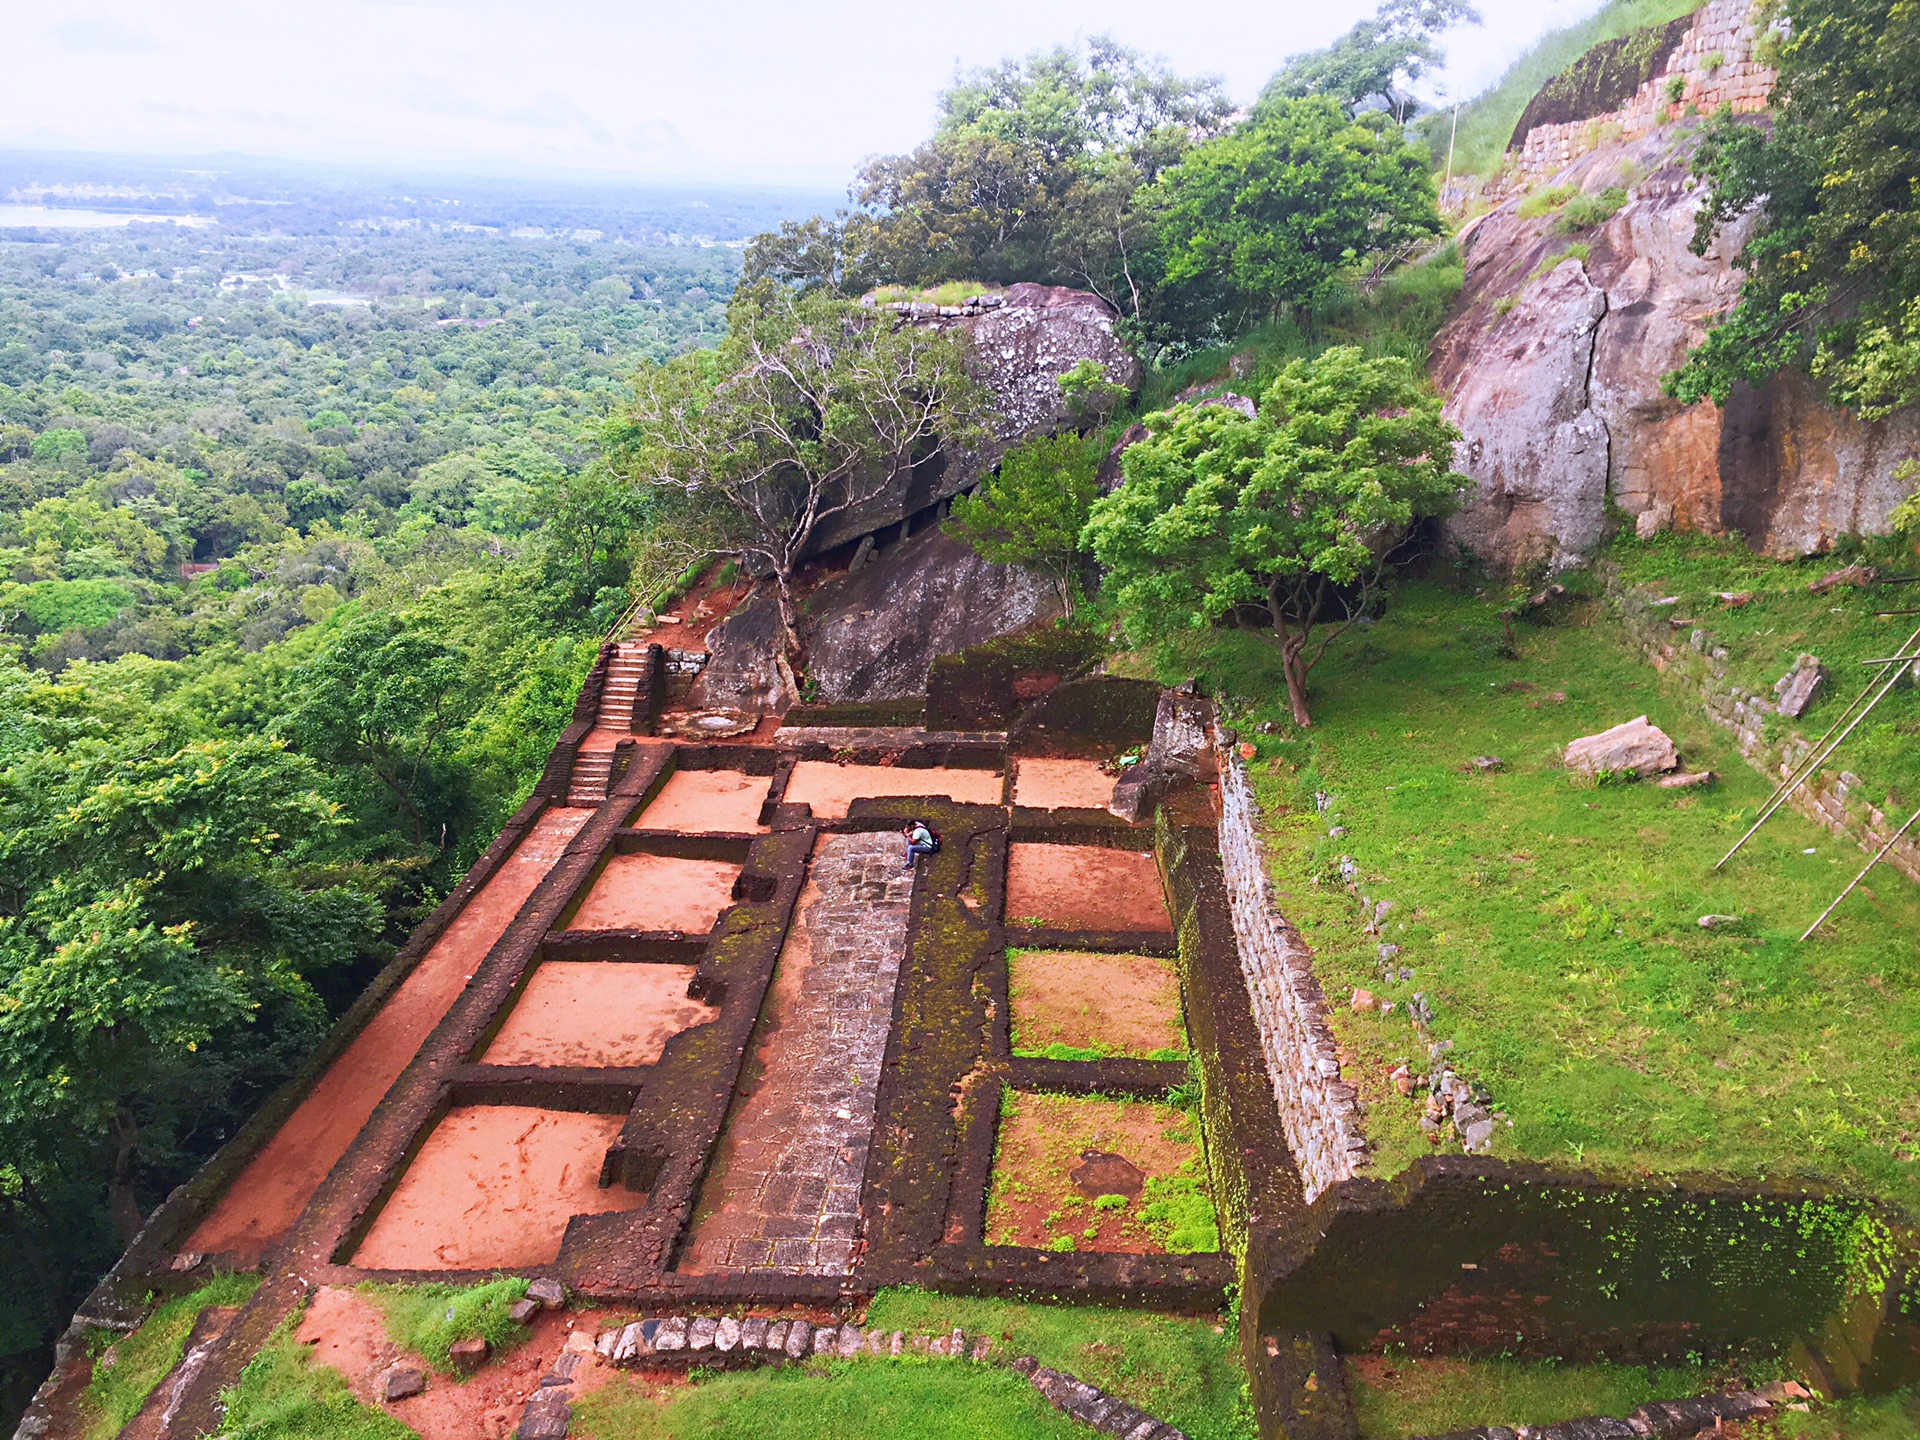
(1551, 366)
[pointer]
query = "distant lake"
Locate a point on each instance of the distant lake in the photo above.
(48, 217)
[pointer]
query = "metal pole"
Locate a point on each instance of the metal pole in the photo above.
(1452, 135)
(1863, 874)
(1891, 660)
(1839, 720)
(1819, 758)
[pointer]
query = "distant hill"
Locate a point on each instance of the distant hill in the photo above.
(250, 195)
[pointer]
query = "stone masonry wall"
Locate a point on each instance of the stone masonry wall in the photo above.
(1725, 32)
(1320, 1113)
(1828, 798)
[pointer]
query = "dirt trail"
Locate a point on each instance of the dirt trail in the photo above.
(260, 1207)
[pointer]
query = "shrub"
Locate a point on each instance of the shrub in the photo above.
(1545, 202)
(1583, 212)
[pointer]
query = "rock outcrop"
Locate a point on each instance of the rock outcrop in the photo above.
(1553, 360)
(1631, 747)
(1022, 343)
(872, 634)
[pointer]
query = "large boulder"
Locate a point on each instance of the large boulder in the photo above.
(1635, 745)
(1022, 343)
(873, 634)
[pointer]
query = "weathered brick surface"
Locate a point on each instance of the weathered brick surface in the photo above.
(791, 1163)
(1724, 32)
(1319, 1111)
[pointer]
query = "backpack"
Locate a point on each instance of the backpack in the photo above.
(936, 836)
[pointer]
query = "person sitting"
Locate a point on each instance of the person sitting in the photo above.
(920, 841)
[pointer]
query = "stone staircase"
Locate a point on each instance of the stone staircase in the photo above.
(625, 674)
(587, 786)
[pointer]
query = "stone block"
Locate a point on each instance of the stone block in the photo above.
(799, 1337)
(753, 1334)
(402, 1384)
(700, 1333)
(726, 1335)
(468, 1355)
(671, 1336)
(847, 1342)
(545, 1419)
(550, 1293)
(521, 1312)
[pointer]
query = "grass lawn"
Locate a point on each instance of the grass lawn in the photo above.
(430, 1319)
(283, 1396)
(1181, 1369)
(1554, 929)
(1395, 1396)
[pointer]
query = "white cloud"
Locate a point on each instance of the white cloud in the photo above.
(764, 89)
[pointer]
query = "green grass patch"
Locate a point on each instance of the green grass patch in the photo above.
(1487, 121)
(1858, 1417)
(950, 292)
(1553, 929)
(1399, 1395)
(1545, 202)
(125, 1374)
(1058, 1051)
(282, 1395)
(1583, 212)
(1179, 1212)
(429, 1319)
(1764, 636)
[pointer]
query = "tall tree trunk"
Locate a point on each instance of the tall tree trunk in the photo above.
(789, 650)
(1292, 662)
(121, 1201)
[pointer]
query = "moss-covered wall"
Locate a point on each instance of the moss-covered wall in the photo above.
(1603, 79)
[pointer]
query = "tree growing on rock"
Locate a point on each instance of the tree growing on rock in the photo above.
(811, 407)
(1293, 512)
(1032, 510)
(1832, 259)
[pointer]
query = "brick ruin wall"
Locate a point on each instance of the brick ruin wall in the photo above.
(1725, 31)
(1320, 1113)
(1832, 798)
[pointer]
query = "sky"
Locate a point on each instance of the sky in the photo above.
(754, 91)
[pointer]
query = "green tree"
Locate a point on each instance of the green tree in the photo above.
(1032, 509)
(1294, 512)
(1272, 214)
(383, 698)
(811, 408)
(1832, 263)
(1034, 172)
(1392, 48)
(159, 923)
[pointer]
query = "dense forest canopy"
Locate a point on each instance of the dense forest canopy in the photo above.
(304, 549)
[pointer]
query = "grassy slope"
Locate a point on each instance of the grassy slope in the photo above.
(1401, 1395)
(282, 1395)
(1178, 1368)
(429, 1319)
(1763, 637)
(139, 1362)
(1554, 928)
(1487, 120)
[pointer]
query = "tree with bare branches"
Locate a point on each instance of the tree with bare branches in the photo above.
(812, 407)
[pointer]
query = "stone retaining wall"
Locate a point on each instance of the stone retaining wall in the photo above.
(1724, 32)
(1829, 798)
(1320, 1113)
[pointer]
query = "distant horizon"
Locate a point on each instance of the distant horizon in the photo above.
(763, 97)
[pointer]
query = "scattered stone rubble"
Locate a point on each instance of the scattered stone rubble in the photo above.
(1662, 1418)
(715, 1340)
(1093, 1406)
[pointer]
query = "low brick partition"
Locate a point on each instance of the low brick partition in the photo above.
(1667, 1419)
(1829, 797)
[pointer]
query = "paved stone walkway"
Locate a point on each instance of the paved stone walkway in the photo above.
(784, 1192)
